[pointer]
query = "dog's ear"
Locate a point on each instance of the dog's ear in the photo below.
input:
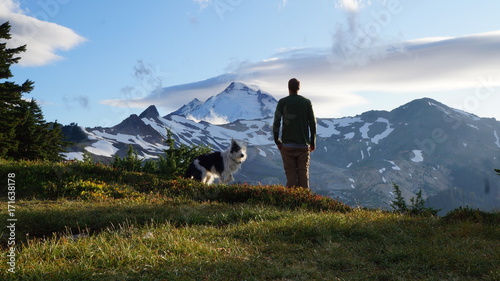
(239, 143)
(234, 146)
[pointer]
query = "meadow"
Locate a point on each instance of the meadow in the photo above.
(83, 221)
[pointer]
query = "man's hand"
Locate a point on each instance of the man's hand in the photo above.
(312, 148)
(279, 145)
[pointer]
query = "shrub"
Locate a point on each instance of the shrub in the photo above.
(472, 215)
(275, 195)
(89, 189)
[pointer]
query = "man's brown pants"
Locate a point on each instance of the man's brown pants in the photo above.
(296, 164)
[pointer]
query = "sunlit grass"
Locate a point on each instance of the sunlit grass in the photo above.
(188, 240)
(147, 228)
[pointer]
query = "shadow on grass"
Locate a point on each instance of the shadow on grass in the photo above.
(44, 219)
(255, 244)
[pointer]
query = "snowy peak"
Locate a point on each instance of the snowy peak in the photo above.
(238, 101)
(185, 109)
(238, 86)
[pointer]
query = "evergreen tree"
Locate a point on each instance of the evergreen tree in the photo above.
(24, 134)
(131, 162)
(399, 205)
(177, 159)
(172, 165)
(417, 207)
(10, 93)
(27, 134)
(36, 139)
(54, 142)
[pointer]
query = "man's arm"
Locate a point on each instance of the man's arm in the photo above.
(277, 125)
(312, 128)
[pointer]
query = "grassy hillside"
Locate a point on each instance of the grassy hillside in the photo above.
(91, 222)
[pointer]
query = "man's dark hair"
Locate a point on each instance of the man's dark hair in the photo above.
(294, 85)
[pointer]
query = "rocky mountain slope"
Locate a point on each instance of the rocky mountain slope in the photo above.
(448, 153)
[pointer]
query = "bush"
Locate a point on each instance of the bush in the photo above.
(472, 215)
(275, 195)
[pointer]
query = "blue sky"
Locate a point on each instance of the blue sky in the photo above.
(96, 62)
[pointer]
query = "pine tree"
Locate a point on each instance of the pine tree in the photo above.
(24, 134)
(399, 204)
(10, 93)
(177, 158)
(131, 162)
(36, 138)
(54, 142)
(417, 207)
(27, 133)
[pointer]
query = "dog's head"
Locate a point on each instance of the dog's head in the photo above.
(238, 151)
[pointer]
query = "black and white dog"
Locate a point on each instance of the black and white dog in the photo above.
(220, 164)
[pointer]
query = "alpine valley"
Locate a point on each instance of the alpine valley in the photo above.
(424, 145)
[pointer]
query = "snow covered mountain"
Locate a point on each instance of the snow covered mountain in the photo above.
(237, 102)
(448, 153)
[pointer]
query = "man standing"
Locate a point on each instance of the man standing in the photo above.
(298, 135)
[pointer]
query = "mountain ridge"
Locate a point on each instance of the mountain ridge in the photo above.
(422, 144)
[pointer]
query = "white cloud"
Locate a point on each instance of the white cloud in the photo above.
(175, 96)
(352, 5)
(425, 66)
(363, 36)
(43, 38)
(212, 118)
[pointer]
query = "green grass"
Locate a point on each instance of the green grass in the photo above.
(140, 227)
